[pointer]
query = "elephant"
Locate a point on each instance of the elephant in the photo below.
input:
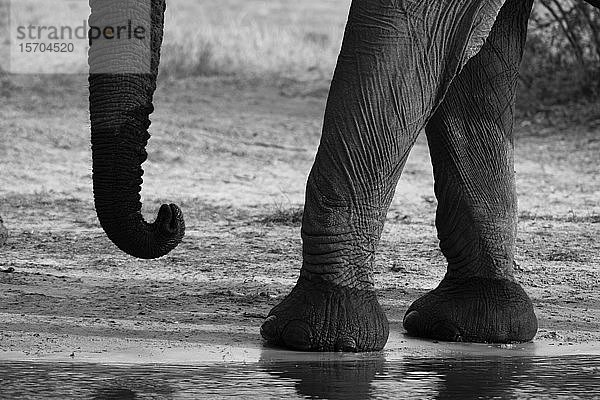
(448, 67)
(3, 233)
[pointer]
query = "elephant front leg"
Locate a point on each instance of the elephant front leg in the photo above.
(471, 142)
(369, 128)
(333, 306)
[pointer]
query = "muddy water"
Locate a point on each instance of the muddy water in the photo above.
(502, 377)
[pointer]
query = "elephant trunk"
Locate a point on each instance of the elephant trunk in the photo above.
(122, 82)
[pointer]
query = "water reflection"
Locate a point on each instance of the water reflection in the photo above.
(324, 377)
(329, 379)
(465, 379)
(491, 377)
(440, 379)
(114, 394)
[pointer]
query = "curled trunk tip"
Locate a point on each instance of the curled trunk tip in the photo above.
(142, 239)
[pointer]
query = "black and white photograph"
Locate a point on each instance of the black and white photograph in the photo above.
(299, 199)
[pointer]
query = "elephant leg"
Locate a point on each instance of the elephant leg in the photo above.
(389, 78)
(3, 233)
(471, 143)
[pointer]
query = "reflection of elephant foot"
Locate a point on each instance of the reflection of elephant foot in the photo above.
(333, 379)
(473, 310)
(325, 317)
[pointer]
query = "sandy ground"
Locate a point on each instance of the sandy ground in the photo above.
(235, 157)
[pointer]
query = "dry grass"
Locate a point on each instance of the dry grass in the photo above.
(244, 38)
(251, 38)
(284, 216)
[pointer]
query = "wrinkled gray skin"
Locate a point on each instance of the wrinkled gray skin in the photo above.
(448, 66)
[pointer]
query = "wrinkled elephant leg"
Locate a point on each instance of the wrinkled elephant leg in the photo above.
(388, 79)
(471, 143)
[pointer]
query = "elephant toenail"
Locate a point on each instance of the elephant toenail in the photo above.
(298, 335)
(346, 345)
(447, 331)
(411, 321)
(268, 330)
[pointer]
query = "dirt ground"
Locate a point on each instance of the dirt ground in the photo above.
(235, 157)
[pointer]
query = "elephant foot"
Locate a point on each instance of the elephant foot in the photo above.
(473, 310)
(326, 317)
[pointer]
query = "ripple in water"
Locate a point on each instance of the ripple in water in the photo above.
(503, 378)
